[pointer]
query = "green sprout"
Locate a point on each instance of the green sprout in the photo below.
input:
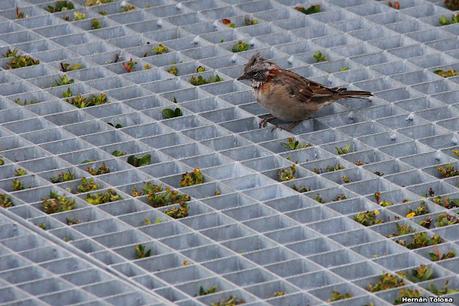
(79, 16)
(24, 102)
(293, 144)
(2, 162)
(418, 211)
(118, 153)
(436, 255)
(5, 201)
(445, 220)
(200, 69)
(301, 188)
(102, 169)
(129, 66)
(192, 178)
(319, 199)
(57, 203)
(110, 195)
(160, 49)
(11, 53)
(63, 177)
(95, 24)
(82, 102)
(180, 211)
(87, 184)
(43, 226)
(330, 168)
(126, 7)
(139, 160)
(207, 291)
(447, 171)
(278, 293)
(17, 185)
(19, 61)
(443, 20)
(60, 6)
(96, 2)
(286, 174)
(368, 218)
(406, 293)
(443, 290)
(172, 70)
(141, 251)
(402, 229)
(319, 57)
(420, 240)
(169, 113)
(240, 46)
(344, 149)
(344, 69)
(386, 281)
(200, 80)
(20, 172)
(336, 296)
(248, 21)
(419, 274)
(67, 93)
(65, 67)
(71, 221)
(446, 73)
(229, 301)
(168, 197)
(383, 203)
(346, 179)
(340, 197)
(310, 10)
(147, 188)
(446, 202)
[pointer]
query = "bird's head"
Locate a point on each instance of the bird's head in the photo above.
(257, 69)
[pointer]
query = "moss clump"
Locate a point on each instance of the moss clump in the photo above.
(57, 203)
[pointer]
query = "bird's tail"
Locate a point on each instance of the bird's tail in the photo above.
(353, 93)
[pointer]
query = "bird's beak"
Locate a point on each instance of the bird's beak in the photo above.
(243, 77)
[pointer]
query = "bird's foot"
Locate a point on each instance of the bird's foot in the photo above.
(292, 125)
(265, 121)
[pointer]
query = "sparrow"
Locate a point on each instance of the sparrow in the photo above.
(289, 96)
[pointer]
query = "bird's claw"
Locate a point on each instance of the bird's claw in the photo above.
(264, 122)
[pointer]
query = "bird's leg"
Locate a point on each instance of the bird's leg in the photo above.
(292, 125)
(265, 120)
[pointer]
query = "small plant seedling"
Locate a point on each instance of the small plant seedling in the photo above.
(60, 6)
(147, 66)
(248, 21)
(11, 53)
(82, 102)
(20, 172)
(24, 102)
(240, 46)
(207, 291)
(336, 296)
(200, 69)
(452, 4)
(359, 162)
(419, 274)
(169, 196)
(57, 203)
(426, 222)
(310, 10)
(192, 178)
(141, 251)
(95, 24)
(330, 168)
(139, 160)
(436, 255)
(148, 188)
(43, 226)
(286, 174)
(319, 57)
(386, 281)
(368, 218)
(443, 20)
(96, 2)
(418, 211)
(406, 293)
(445, 220)
(301, 188)
(319, 199)
(5, 201)
(278, 293)
(102, 169)
(447, 171)
(293, 144)
(344, 149)
(229, 301)
(87, 184)
(118, 153)
(344, 69)
(2, 162)
(169, 113)
(63, 177)
(180, 211)
(71, 221)
(446, 73)
(200, 80)
(129, 66)
(340, 197)
(126, 7)
(65, 67)
(19, 61)
(19, 14)
(402, 229)
(172, 70)
(421, 240)
(103, 13)
(109, 195)
(379, 201)
(160, 49)
(346, 179)
(394, 5)
(446, 202)
(17, 185)
(442, 290)
(79, 16)
(228, 23)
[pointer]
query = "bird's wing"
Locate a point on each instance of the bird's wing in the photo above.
(305, 90)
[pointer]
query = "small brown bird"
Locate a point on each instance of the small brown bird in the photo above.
(289, 96)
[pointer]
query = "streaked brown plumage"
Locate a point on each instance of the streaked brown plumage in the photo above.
(287, 95)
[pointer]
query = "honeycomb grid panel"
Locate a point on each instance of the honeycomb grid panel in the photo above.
(248, 233)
